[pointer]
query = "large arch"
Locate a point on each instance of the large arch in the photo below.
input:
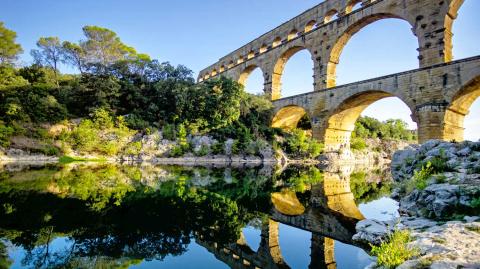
(342, 40)
(459, 108)
(279, 67)
(449, 19)
(341, 122)
(244, 76)
(288, 117)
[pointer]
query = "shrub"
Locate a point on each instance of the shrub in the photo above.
(475, 203)
(84, 137)
(395, 251)
(176, 151)
(235, 148)
(168, 132)
(182, 135)
(203, 151)
(133, 148)
(5, 133)
(300, 145)
(420, 178)
(50, 150)
(358, 144)
(218, 148)
(110, 148)
(102, 119)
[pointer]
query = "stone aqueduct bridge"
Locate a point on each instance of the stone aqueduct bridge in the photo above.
(439, 93)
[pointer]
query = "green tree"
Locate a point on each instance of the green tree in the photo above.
(9, 77)
(217, 102)
(104, 47)
(9, 50)
(49, 53)
(74, 55)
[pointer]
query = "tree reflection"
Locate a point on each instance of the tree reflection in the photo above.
(116, 216)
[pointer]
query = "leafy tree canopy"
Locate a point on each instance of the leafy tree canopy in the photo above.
(9, 50)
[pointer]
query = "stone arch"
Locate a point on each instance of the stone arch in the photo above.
(292, 34)
(288, 117)
(449, 19)
(459, 107)
(280, 66)
(263, 48)
(310, 26)
(250, 54)
(340, 122)
(214, 73)
(330, 16)
(240, 59)
(276, 42)
(343, 39)
(247, 72)
(351, 5)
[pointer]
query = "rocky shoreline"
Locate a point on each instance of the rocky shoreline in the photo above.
(441, 211)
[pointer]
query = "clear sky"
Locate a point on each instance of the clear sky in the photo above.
(197, 33)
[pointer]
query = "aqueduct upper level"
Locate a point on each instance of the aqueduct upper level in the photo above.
(325, 29)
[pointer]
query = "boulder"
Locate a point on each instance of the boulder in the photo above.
(372, 231)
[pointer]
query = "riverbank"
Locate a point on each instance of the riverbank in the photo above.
(438, 190)
(154, 149)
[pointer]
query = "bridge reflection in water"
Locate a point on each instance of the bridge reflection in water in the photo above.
(331, 215)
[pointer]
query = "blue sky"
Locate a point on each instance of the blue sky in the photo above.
(197, 33)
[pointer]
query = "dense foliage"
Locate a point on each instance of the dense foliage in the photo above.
(127, 86)
(396, 129)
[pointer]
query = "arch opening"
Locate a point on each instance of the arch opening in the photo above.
(330, 16)
(292, 74)
(240, 60)
(340, 125)
(251, 54)
(291, 117)
(310, 26)
(292, 35)
(370, 46)
(276, 42)
(253, 80)
(263, 48)
(353, 5)
(461, 26)
(460, 122)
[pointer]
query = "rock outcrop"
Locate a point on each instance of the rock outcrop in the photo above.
(453, 183)
(454, 244)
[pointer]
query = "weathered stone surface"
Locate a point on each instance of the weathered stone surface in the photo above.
(454, 244)
(372, 231)
(451, 192)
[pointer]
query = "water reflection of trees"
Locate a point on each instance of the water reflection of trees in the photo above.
(115, 216)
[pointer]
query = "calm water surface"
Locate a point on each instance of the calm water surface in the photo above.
(106, 216)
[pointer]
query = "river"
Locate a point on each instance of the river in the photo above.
(110, 216)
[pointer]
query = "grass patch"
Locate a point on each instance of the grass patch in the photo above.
(420, 179)
(395, 250)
